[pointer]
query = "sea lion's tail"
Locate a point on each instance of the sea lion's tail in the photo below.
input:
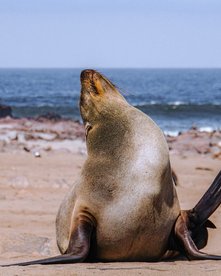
(191, 226)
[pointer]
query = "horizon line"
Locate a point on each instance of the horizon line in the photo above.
(93, 67)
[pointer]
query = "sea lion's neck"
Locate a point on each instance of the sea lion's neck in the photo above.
(108, 138)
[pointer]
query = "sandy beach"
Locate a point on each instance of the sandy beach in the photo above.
(41, 159)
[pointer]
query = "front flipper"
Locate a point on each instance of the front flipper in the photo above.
(77, 251)
(184, 241)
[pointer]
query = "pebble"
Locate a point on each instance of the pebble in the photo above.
(37, 154)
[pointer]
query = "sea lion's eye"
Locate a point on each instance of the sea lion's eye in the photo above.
(88, 127)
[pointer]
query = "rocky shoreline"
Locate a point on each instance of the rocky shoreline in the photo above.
(47, 134)
(195, 141)
(41, 134)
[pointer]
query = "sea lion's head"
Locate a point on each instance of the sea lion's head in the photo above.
(99, 98)
(101, 106)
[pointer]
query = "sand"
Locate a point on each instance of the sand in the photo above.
(31, 189)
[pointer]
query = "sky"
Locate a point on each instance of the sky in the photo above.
(110, 33)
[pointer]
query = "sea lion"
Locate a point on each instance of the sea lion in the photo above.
(124, 207)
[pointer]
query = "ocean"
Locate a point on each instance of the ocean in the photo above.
(176, 99)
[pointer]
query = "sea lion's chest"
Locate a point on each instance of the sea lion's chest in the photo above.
(136, 218)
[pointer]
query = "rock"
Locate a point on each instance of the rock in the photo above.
(37, 154)
(21, 138)
(216, 152)
(12, 135)
(49, 116)
(4, 138)
(26, 149)
(5, 111)
(42, 136)
(202, 149)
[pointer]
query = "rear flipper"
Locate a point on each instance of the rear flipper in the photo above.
(78, 248)
(209, 202)
(191, 226)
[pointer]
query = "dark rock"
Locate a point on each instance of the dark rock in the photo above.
(49, 116)
(5, 111)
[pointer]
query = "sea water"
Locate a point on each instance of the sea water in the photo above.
(176, 99)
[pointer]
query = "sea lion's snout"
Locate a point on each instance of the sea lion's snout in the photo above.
(89, 79)
(96, 84)
(87, 99)
(92, 82)
(97, 95)
(87, 74)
